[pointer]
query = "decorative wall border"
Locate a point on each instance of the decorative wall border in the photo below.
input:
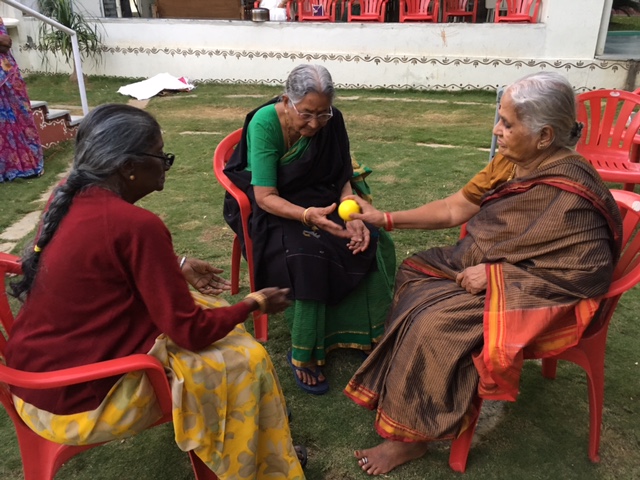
(386, 59)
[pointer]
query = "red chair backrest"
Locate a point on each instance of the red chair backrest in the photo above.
(518, 10)
(221, 156)
(611, 118)
(456, 5)
(371, 7)
(427, 7)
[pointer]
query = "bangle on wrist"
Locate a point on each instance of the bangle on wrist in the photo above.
(388, 221)
(304, 217)
(260, 299)
(183, 261)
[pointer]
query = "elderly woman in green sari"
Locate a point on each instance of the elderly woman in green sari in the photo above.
(295, 165)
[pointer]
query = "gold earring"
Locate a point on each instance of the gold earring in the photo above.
(541, 146)
(132, 177)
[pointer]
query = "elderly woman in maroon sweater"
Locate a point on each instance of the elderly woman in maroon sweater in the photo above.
(102, 281)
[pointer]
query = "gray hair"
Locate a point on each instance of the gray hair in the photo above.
(308, 78)
(107, 137)
(547, 99)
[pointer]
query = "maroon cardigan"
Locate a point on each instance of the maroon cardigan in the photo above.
(107, 286)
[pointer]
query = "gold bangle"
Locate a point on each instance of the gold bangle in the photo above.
(304, 217)
(260, 299)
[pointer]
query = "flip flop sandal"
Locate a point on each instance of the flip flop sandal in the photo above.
(303, 456)
(318, 389)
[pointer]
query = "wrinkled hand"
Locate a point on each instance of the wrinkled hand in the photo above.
(203, 277)
(5, 43)
(473, 279)
(276, 299)
(317, 216)
(369, 213)
(360, 236)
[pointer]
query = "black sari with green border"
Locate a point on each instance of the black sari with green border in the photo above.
(315, 265)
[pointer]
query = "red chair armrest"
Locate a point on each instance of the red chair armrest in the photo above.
(10, 264)
(109, 368)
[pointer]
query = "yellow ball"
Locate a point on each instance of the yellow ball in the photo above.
(348, 207)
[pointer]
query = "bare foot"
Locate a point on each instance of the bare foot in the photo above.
(389, 455)
(309, 379)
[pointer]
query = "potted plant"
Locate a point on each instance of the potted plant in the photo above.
(56, 41)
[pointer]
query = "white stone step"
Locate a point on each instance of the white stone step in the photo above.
(75, 120)
(55, 113)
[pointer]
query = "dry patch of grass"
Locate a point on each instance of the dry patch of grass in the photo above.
(216, 235)
(209, 113)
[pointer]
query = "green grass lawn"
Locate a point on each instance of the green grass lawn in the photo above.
(421, 146)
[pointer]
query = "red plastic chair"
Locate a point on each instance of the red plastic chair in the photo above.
(220, 158)
(316, 10)
(459, 9)
(517, 11)
(611, 121)
(419, 11)
(370, 10)
(41, 459)
(589, 352)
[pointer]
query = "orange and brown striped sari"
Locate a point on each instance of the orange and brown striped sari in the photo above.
(550, 242)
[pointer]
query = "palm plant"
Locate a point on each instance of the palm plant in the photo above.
(57, 41)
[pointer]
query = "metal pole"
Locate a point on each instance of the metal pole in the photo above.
(79, 74)
(494, 139)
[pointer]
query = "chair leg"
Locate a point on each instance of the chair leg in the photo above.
(236, 255)
(261, 326)
(41, 459)
(200, 469)
(595, 385)
(549, 367)
(460, 446)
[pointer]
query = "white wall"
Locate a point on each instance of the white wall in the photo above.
(392, 55)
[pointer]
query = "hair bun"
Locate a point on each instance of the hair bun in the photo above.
(576, 131)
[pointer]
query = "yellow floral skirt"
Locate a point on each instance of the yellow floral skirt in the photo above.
(228, 407)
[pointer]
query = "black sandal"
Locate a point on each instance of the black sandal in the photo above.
(301, 451)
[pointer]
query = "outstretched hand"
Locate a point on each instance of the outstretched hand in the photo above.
(317, 216)
(204, 277)
(369, 213)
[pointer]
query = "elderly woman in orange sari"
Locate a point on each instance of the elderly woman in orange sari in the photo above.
(542, 239)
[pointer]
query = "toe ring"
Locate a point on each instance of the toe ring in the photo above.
(365, 460)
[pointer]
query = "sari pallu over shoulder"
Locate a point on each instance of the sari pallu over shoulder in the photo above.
(541, 305)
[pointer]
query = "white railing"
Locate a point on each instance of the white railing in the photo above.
(74, 44)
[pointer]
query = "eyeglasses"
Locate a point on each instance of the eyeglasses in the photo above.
(167, 157)
(307, 117)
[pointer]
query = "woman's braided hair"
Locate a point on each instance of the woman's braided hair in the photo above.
(107, 137)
